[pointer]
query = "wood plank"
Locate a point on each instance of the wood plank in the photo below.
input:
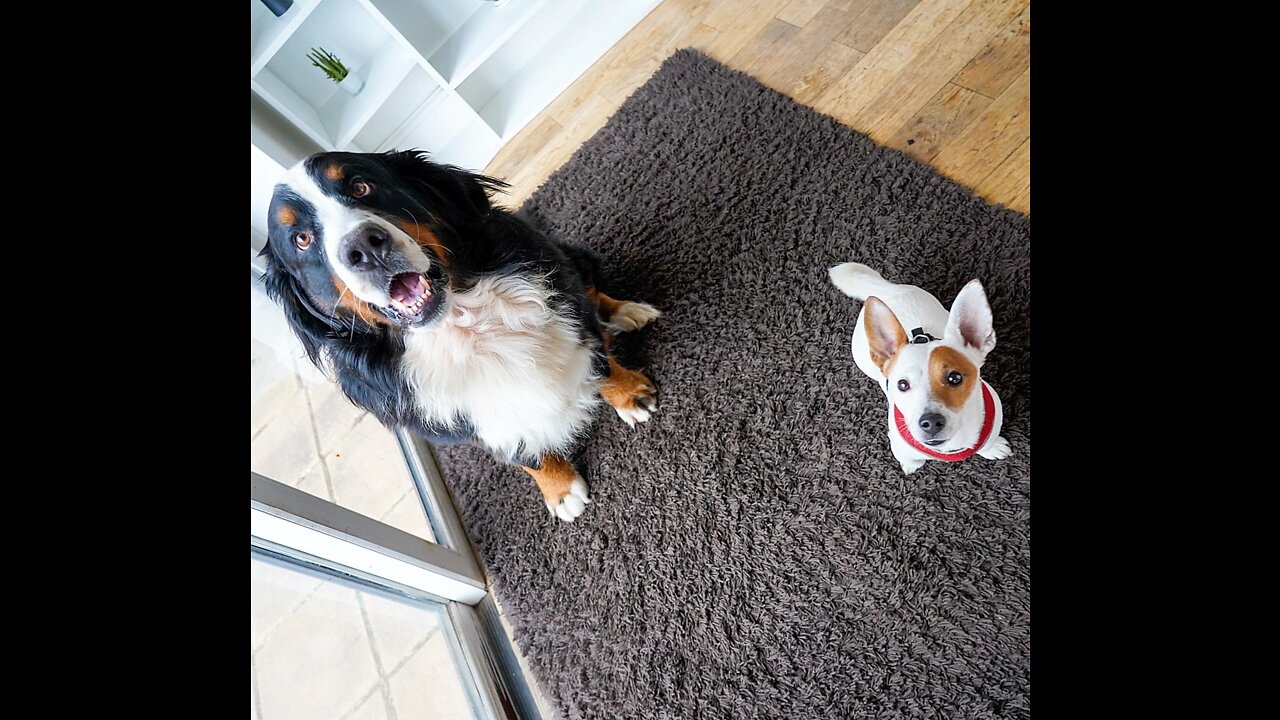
(523, 147)
(897, 50)
(760, 49)
(789, 59)
(700, 37)
(907, 92)
(1001, 61)
(856, 5)
(799, 12)
(1010, 183)
(1022, 201)
(831, 64)
(738, 22)
(873, 21)
(1001, 128)
(943, 118)
(632, 59)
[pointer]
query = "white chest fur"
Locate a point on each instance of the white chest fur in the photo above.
(504, 361)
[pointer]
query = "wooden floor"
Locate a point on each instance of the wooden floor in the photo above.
(946, 81)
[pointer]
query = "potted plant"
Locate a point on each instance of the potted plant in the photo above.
(336, 70)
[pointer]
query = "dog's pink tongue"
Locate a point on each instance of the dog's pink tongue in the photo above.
(407, 287)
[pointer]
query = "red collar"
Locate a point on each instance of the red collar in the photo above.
(988, 420)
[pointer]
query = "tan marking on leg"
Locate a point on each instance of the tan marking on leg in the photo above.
(605, 305)
(631, 394)
(625, 315)
(556, 478)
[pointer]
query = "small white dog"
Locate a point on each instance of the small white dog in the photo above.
(939, 406)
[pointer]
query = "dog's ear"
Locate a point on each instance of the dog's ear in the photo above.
(452, 194)
(885, 336)
(970, 322)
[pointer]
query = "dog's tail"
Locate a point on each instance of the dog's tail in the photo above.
(858, 281)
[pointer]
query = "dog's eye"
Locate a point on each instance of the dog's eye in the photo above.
(954, 378)
(903, 385)
(302, 240)
(360, 188)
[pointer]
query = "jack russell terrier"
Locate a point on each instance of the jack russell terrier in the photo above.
(939, 406)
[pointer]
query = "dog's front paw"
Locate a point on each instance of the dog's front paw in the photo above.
(632, 395)
(910, 466)
(571, 503)
(633, 316)
(997, 449)
(643, 403)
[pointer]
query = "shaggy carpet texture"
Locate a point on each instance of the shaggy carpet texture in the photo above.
(755, 550)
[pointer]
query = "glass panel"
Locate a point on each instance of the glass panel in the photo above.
(325, 648)
(307, 434)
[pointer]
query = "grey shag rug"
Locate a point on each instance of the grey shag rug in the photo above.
(755, 550)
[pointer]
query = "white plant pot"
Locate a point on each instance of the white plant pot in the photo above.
(352, 84)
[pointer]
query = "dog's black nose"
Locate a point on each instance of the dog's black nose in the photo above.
(366, 248)
(932, 423)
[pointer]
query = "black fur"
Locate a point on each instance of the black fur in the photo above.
(479, 240)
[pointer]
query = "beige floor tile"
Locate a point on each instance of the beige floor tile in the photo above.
(272, 388)
(274, 593)
(285, 449)
(253, 695)
(318, 663)
(408, 515)
(368, 471)
(399, 627)
(313, 483)
(428, 686)
(334, 414)
(375, 708)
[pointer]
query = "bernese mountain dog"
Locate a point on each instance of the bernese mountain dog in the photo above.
(441, 313)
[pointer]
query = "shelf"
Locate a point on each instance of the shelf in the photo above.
(486, 30)
(300, 91)
(425, 24)
(471, 149)
(268, 32)
(291, 106)
(415, 94)
(522, 46)
(453, 77)
(443, 122)
(558, 61)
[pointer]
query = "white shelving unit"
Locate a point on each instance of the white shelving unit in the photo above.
(457, 78)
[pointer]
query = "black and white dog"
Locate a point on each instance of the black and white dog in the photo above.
(440, 313)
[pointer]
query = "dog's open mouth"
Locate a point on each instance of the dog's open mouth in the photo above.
(410, 293)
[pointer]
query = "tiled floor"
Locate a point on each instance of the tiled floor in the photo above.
(322, 650)
(305, 433)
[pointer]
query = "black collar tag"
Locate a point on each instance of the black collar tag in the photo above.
(919, 336)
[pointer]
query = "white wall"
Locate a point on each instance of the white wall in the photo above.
(264, 173)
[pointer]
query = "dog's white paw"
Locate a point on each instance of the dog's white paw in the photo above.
(997, 449)
(641, 408)
(573, 504)
(638, 414)
(633, 316)
(910, 466)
